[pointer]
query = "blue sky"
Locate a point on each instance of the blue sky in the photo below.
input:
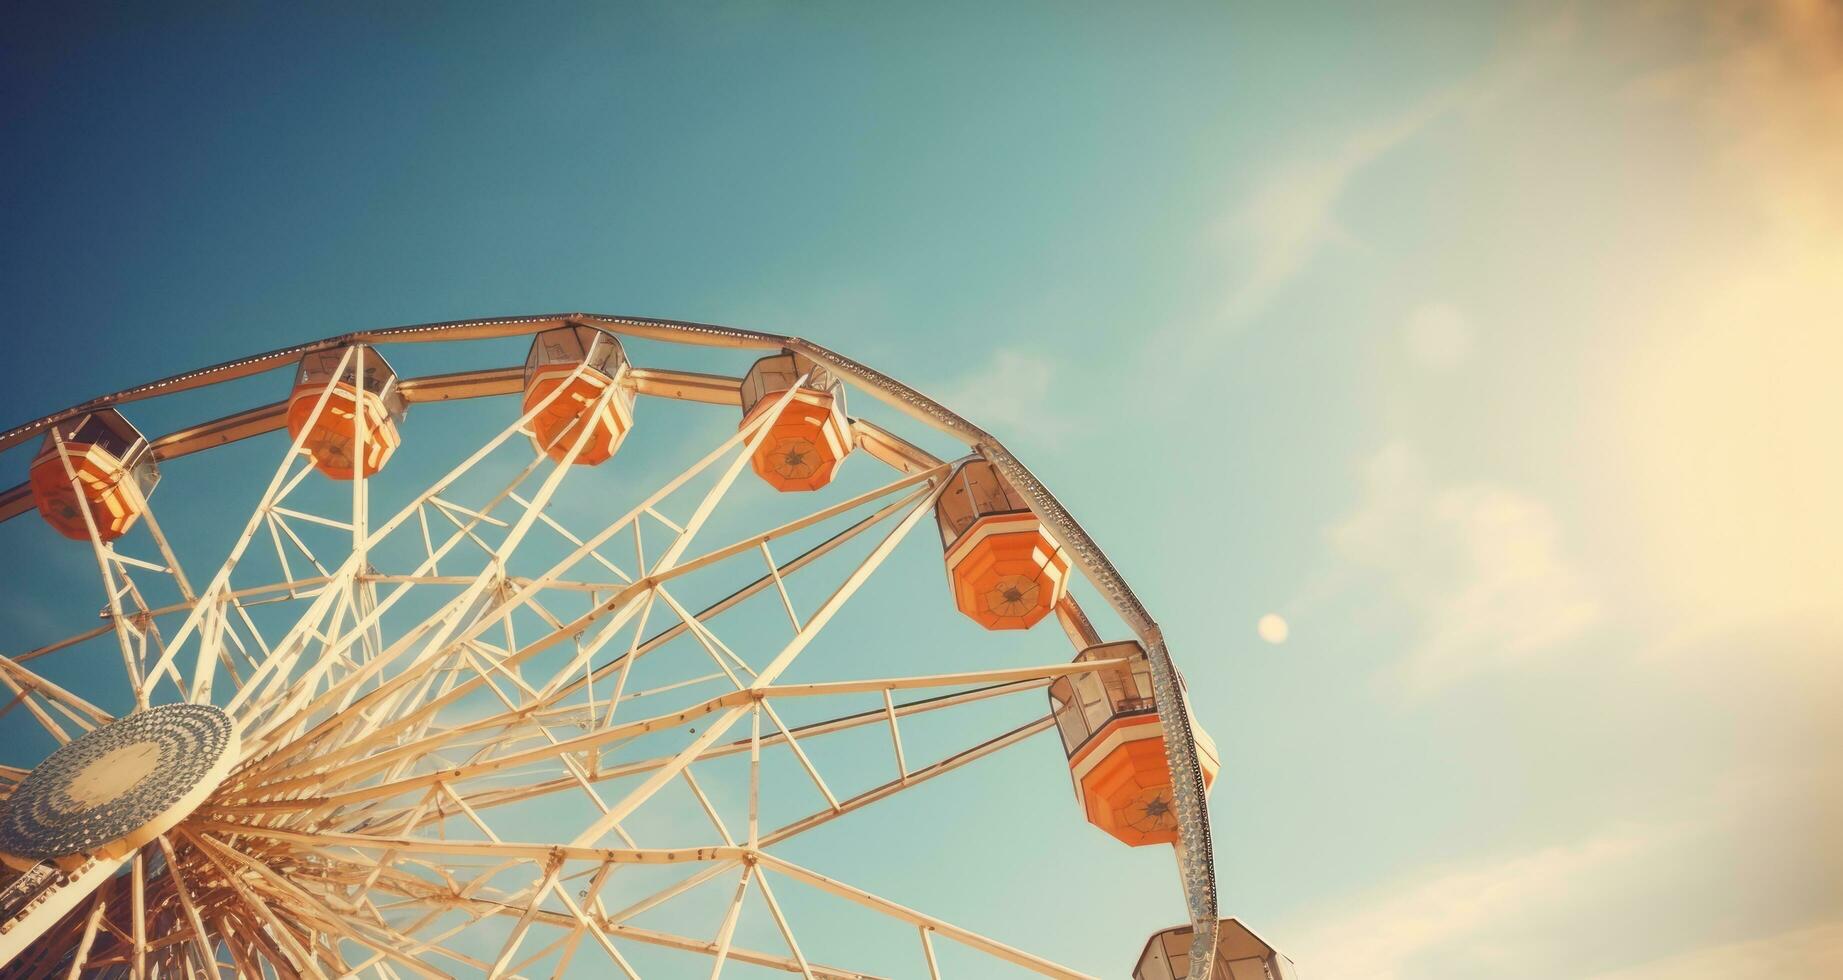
(1492, 346)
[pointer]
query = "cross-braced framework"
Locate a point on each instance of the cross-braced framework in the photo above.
(409, 686)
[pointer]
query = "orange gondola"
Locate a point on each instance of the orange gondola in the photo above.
(1006, 571)
(1115, 744)
(811, 435)
(114, 468)
(334, 434)
(552, 362)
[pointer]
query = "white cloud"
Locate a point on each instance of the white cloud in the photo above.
(1731, 416)
(1810, 951)
(1292, 213)
(1438, 337)
(1655, 895)
(1009, 395)
(1474, 911)
(1729, 399)
(1480, 564)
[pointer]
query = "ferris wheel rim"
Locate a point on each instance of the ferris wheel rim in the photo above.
(1194, 846)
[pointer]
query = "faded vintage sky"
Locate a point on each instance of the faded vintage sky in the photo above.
(1493, 347)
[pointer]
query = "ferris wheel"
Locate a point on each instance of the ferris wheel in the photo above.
(559, 689)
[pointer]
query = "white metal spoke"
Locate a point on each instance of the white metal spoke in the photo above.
(454, 718)
(921, 920)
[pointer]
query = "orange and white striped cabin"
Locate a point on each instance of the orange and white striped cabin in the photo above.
(334, 435)
(1006, 571)
(1115, 742)
(114, 469)
(811, 435)
(552, 364)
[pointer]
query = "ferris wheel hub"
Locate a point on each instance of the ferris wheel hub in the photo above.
(120, 786)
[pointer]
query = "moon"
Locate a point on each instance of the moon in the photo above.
(1272, 628)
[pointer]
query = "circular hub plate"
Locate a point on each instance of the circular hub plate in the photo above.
(121, 784)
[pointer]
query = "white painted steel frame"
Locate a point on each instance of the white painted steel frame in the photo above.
(341, 594)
